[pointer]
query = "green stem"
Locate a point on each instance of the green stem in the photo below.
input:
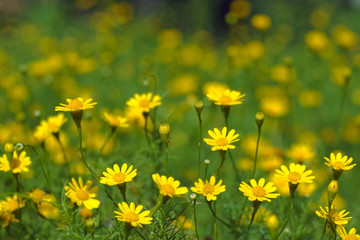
(157, 206)
(128, 229)
(214, 214)
(331, 221)
(256, 152)
(323, 233)
(57, 136)
(199, 145)
(122, 188)
(111, 133)
(18, 189)
(166, 158)
(195, 222)
(288, 217)
(111, 233)
(215, 221)
(222, 155)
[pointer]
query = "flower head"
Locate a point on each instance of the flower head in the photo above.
(300, 153)
(132, 215)
(168, 186)
(259, 191)
(82, 194)
(10, 204)
(115, 121)
(54, 123)
(19, 163)
(226, 97)
(339, 162)
(295, 174)
(351, 235)
(77, 104)
(221, 140)
(118, 176)
(209, 189)
(144, 102)
(339, 218)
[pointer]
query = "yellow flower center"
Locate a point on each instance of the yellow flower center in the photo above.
(76, 104)
(338, 164)
(208, 188)
(225, 100)
(334, 215)
(168, 189)
(119, 177)
(82, 194)
(15, 163)
(294, 176)
(222, 141)
(144, 103)
(351, 237)
(259, 191)
(131, 217)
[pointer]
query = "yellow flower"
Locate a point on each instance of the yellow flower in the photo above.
(77, 104)
(10, 204)
(144, 102)
(6, 218)
(295, 174)
(300, 153)
(47, 207)
(221, 140)
(168, 186)
(115, 121)
(82, 194)
(41, 132)
(339, 218)
(259, 191)
(225, 97)
(132, 215)
(261, 22)
(211, 87)
(351, 235)
(275, 106)
(118, 176)
(339, 162)
(54, 123)
(316, 41)
(209, 189)
(18, 163)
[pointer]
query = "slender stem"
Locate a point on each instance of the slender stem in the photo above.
(256, 152)
(331, 221)
(214, 214)
(57, 136)
(111, 133)
(234, 167)
(128, 229)
(222, 154)
(157, 206)
(122, 188)
(195, 222)
(323, 233)
(288, 217)
(206, 168)
(111, 233)
(18, 189)
(166, 158)
(215, 221)
(146, 114)
(200, 144)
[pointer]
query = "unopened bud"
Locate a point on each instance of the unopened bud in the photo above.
(206, 161)
(199, 105)
(90, 224)
(333, 188)
(259, 118)
(164, 131)
(19, 147)
(193, 196)
(9, 147)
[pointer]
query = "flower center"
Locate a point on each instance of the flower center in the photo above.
(82, 195)
(208, 188)
(225, 100)
(334, 215)
(13, 205)
(144, 103)
(294, 176)
(119, 177)
(338, 164)
(131, 217)
(259, 191)
(222, 141)
(168, 189)
(76, 104)
(15, 163)
(351, 237)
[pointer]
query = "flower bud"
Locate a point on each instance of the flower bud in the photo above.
(333, 188)
(9, 147)
(199, 105)
(206, 161)
(164, 131)
(19, 147)
(90, 224)
(259, 118)
(193, 196)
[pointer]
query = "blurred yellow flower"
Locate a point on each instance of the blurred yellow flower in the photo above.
(82, 194)
(261, 22)
(115, 121)
(221, 140)
(300, 153)
(316, 41)
(7, 218)
(54, 123)
(281, 73)
(278, 106)
(47, 207)
(295, 174)
(339, 218)
(240, 8)
(211, 87)
(351, 235)
(168, 187)
(226, 97)
(310, 98)
(144, 102)
(19, 163)
(210, 189)
(77, 104)
(118, 176)
(255, 50)
(258, 191)
(344, 37)
(183, 84)
(11, 204)
(270, 163)
(131, 214)
(341, 75)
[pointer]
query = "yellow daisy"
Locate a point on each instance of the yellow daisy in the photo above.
(168, 186)
(54, 123)
(19, 163)
(118, 176)
(132, 215)
(259, 191)
(10, 204)
(209, 189)
(225, 97)
(77, 104)
(82, 194)
(221, 140)
(115, 121)
(7, 218)
(339, 218)
(339, 162)
(41, 132)
(295, 174)
(300, 153)
(351, 235)
(144, 102)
